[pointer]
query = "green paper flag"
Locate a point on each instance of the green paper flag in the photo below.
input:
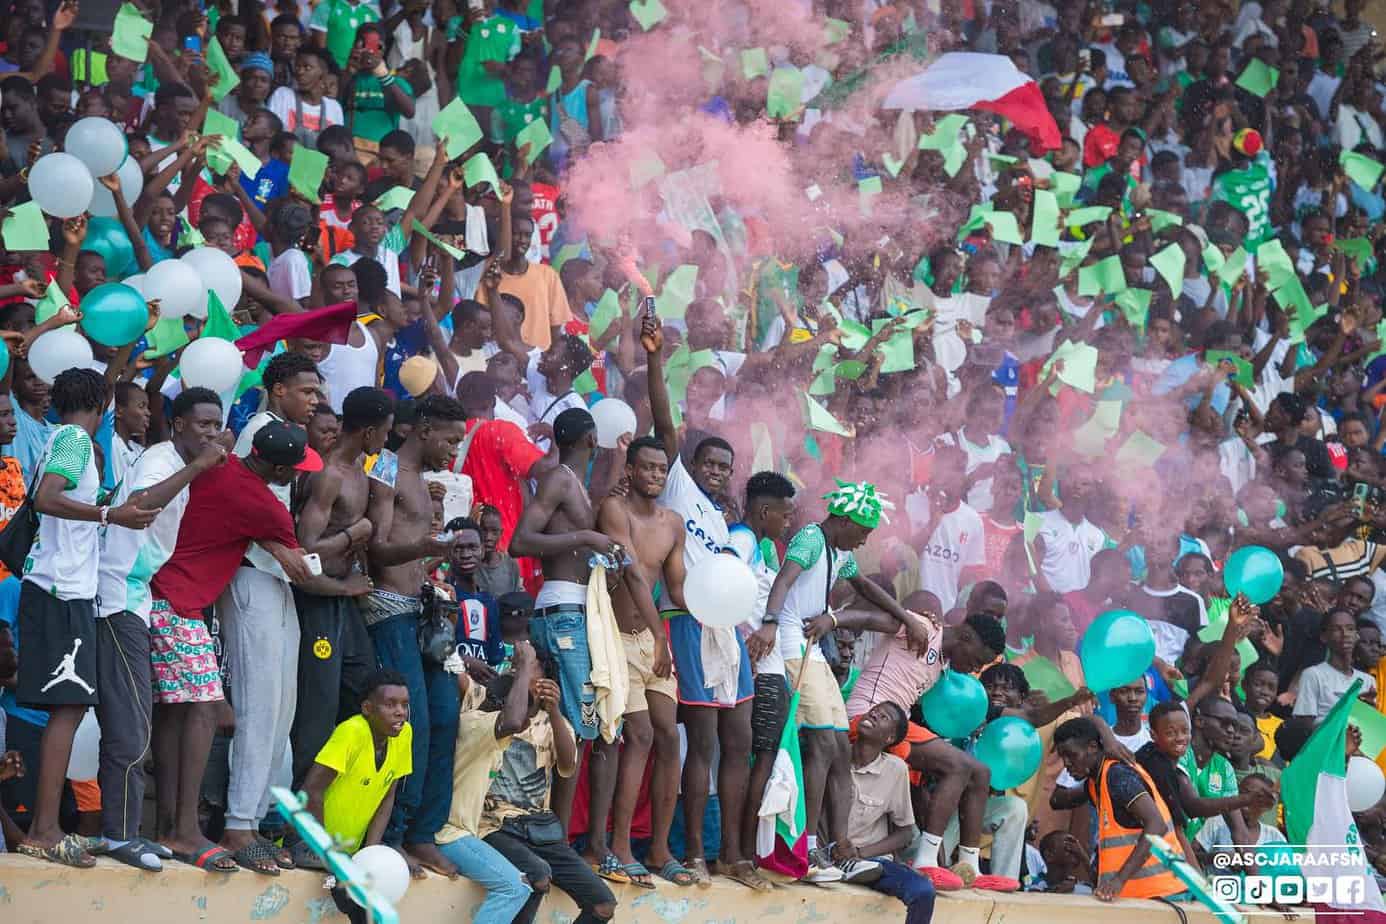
(1169, 263)
(226, 77)
(52, 302)
(25, 228)
(754, 63)
(822, 384)
(1233, 267)
(555, 81)
(1106, 275)
(1044, 227)
(835, 30)
(1139, 450)
(1361, 169)
(1086, 216)
(586, 383)
(1243, 373)
(456, 123)
(817, 417)
(537, 135)
(867, 190)
(1213, 259)
(1074, 257)
(678, 291)
(1065, 186)
(240, 155)
(1258, 78)
(565, 253)
(606, 312)
(479, 170)
(130, 37)
(1004, 227)
(307, 167)
(218, 124)
(947, 140)
(1160, 220)
(1272, 259)
(1044, 675)
(1091, 438)
(219, 323)
(898, 352)
(649, 13)
(1135, 306)
(783, 97)
(397, 197)
(447, 248)
(850, 369)
(1357, 248)
(591, 47)
(167, 336)
(188, 236)
(1080, 365)
(892, 164)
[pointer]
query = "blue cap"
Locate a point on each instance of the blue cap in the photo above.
(257, 61)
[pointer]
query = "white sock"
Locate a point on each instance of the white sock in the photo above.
(812, 841)
(971, 856)
(927, 852)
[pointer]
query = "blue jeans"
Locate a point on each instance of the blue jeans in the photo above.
(506, 891)
(914, 889)
(561, 637)
(421, 805)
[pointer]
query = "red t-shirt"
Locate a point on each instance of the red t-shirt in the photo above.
(228, 508)
(544, 211)
(499, 458)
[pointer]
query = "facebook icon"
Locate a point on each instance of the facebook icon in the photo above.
(1349, 892)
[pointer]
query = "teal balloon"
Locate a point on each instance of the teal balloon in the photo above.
(1011, 749)
(106, 237)
(955, 706)
(1117, 648)
(114, 314)
(1254, 571)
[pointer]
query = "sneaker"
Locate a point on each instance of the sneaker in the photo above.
(996, 883)
(943, 880)
(821, 867)
(860, 872)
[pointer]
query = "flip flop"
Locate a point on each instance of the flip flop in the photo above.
(138, 854)
(305, 857)
(283, 856)
(610, 869)
(639, 876)
(70, 851)
(211, 860)
(258, 857)
(159, 850)
(745, 872)
(701, 877)
(677, 873)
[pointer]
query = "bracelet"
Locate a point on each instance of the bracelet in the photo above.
(770, 619)
(388, 80)
(834, 618)
(105, 513)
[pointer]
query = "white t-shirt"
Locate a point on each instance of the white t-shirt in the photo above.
(1216, 833)
(257, 556)
(129, 557)
(742, 543)
(123, 457)
(543, 405)
(384, 256)
(63, 558)
(1322, 685)
(1068, 551)
(290, 276)
(283, 102)
(955, 544)
(822, 567)
(979, 498)
(505, 412)
(705, 527)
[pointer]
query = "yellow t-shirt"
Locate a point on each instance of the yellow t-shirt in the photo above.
(1267, 725)
(353, 797)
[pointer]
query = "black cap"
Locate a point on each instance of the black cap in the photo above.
(281, 443)
(572, 425)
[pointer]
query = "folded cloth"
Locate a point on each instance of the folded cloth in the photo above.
(330, 324)
(721, 662)
(610, 677)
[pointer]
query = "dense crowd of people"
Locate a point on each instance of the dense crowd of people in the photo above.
(541, 309)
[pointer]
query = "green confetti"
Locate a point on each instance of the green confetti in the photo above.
(649, 13)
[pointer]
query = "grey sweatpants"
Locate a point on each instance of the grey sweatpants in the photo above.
(260, 629)
(126, 688)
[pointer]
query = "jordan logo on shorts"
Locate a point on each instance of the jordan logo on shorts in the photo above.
(66, 671)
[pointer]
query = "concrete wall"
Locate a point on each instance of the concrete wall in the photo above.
(34, 892)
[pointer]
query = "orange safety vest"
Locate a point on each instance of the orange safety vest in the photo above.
(1115, 843)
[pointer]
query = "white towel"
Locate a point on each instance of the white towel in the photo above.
(721, 662)
(610, 678)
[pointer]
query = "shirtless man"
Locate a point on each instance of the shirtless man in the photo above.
(401, 538)
(651, 717)
(558, 528)
(335, 656)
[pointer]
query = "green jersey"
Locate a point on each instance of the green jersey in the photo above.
(1248, 190)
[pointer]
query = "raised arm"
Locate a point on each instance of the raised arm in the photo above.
(660, 408)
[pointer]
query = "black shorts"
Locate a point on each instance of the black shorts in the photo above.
(57, 650)
(769, 712)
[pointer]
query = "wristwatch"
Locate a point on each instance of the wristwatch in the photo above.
(105, 514)
(770, 619)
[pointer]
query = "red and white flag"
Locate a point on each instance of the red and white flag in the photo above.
(969, 80)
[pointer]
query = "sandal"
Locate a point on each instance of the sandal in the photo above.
(258, 857)
(677, 873)
(215, 859)
(70, 851)
(610, 869)
(701, 877)
(745, 872)
(138, 854)
(283, 856)
(159, 850)
(639, 876)
(305, 857)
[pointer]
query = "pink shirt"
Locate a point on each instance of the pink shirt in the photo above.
(895, 673)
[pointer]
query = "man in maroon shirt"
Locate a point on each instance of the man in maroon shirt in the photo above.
(229, 507)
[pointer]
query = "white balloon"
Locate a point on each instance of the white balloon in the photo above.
(86, 749)
(614, 419)
(177, 288)
(57, 351)
(720, 591)
(210, 362)
(385, 870)
(61, 185)
(218, 272)
(135, 282)
(131, 185)
(1365, 784)
(98, 143)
